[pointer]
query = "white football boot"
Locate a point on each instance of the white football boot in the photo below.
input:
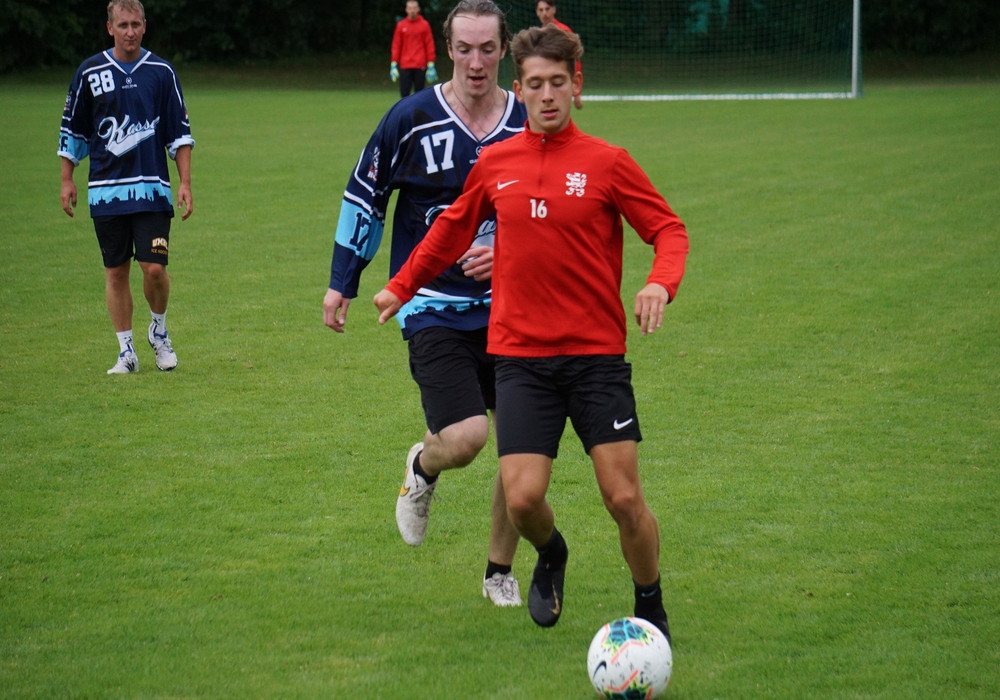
(503, 590)
(414, 503)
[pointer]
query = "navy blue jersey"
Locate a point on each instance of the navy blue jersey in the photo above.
(126, 118)
(425, 152)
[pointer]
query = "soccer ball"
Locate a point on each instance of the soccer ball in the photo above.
(628, 659)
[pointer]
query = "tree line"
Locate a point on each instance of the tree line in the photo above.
(40, 33)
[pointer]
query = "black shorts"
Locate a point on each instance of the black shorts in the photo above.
(145, 235)
(536, 395)
(411, 79)
(454, 373)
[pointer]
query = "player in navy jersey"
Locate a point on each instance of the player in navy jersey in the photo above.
(423, 149)
(125, 111)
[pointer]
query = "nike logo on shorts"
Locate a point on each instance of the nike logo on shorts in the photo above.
(618, 426)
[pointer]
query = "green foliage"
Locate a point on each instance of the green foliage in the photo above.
(932, 26)
(34, 33)
(819, 415)
(46, 32)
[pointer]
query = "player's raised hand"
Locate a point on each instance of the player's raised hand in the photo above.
(649, 305)
(477, 262)
(335, 310)
(388, 305)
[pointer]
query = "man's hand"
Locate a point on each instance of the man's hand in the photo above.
(335, 310)
(68, 195)
(432, 74)
(68, 190)
(388, 305)
(184, 201)
(393, 71)
(477, 262)
(649, 305)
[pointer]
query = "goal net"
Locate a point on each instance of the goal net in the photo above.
(712, 49)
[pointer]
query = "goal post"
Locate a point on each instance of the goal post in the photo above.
(713, 49)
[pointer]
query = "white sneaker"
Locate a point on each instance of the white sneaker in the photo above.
(503, 590)
(414, 503)
(166, 359)
(127, 362)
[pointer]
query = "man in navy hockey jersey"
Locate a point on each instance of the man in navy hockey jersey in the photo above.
(125, 111)
(423, 149)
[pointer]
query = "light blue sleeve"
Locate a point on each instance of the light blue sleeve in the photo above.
(358, 237)
(358, 230)
(75, 126)
(72, 147)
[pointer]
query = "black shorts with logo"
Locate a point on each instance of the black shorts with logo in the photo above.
(144, 235)
(454, 373)
(535, 396)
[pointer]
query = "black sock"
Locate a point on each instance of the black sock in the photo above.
(649, 602)
(494, 568)
(651, 593)
(554, 551)
(649, 606)
(418, 470)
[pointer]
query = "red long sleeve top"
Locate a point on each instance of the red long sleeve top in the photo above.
(557, 265)
(412, 43)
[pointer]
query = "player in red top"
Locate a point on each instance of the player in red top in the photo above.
(545, 10)
(557, 325)
(412, 51)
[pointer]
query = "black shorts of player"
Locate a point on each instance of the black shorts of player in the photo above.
(144, 235)
(535, 396)
(411, 79)
(454, 373)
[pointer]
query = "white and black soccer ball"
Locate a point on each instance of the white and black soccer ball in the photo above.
(629, 658)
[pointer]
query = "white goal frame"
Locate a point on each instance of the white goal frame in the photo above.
(853, 92)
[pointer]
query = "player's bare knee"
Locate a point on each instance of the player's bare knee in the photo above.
(154, 271)
(523, 505)
(463, 450)
(627, 507)
(117, 275)
(462, 446)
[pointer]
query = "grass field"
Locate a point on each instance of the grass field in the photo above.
(820, 412)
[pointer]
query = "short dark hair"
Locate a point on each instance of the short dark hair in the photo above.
(548, 42)
(477, 8)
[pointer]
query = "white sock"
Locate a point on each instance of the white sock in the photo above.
(160, 320)
(124, 340)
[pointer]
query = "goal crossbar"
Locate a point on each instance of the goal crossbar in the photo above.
(668, 50)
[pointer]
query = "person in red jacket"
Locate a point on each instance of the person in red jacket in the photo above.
(545, 10)
(557, 326)
(412, 51)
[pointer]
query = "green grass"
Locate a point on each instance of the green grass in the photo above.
(820, 413)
